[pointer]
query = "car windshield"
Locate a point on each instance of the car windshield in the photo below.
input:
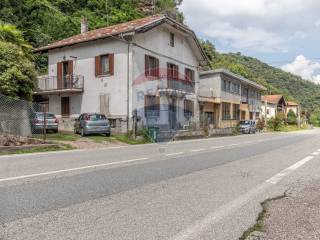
(96, 117)
(48, 115)
(244, 122)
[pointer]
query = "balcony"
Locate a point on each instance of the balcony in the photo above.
(176, 87)
(52, 85)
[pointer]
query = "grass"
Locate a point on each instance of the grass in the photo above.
(289, 128)
(62, 136)
(98, 138)
(126, 139)
(38, 149)
(259, 225)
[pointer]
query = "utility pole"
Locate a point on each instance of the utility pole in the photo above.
(154, 7)
(299, 117)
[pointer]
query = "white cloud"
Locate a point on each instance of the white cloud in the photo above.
(261, 25)
(305, 68)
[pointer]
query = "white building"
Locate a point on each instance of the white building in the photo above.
(149, 66)
(273, 104)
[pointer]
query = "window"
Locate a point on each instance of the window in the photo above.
(226, 111)
(236, 112)
(244, 92)
(151, 66)
(172, 39)
(151, 106)
(172, 71)
(189, 75)
(268, 111)
(188, 108)
(104, 64)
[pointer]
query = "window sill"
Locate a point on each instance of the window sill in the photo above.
(106, 75)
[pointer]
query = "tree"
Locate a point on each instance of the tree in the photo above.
(315, 118)
(9, 33)
(17, 72)
(291, 117)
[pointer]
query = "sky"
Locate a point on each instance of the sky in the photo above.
(282, 33)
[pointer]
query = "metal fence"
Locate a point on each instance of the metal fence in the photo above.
(17, 116)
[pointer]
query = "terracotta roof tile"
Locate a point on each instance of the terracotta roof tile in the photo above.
(290, 103)
(103, 32)
(271, 98)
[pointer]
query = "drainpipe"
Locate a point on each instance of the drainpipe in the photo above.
(128, 85)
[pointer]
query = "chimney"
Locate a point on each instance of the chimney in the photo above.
(84, 25)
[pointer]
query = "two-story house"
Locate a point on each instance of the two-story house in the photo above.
(147, 68)
(226, 98)
(273, 104)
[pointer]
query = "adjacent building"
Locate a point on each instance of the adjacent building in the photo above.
(226, 98)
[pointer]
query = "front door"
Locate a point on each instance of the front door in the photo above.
(172, 114)
(65, 106)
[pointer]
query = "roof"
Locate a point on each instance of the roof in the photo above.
(230, 74)
(139, 25)
(290, 103)
(272, 98)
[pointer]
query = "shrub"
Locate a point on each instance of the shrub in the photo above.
(261, 124)
(291, 117)
(276, 122)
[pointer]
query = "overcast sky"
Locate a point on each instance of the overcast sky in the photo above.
(283, 33)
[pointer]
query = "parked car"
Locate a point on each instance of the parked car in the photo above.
(38, 124)
(92, 123)
(248, 126)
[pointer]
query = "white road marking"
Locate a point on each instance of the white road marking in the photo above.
(198, 150)
(194, 231)
(70, 170)
(174, 154)
(276, 178)
(217, 147)
(315, 153)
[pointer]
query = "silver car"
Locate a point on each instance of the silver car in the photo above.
(38, 122)
(92, 123)
(248, 126)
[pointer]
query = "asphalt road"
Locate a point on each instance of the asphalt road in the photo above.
(199, 189)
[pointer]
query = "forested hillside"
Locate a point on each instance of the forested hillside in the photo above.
(275, 80)
(44, 21)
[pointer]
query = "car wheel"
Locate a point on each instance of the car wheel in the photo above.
(108, 134)
(83, 134)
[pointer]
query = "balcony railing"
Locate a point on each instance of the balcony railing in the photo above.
(177, 85)
(73, 83)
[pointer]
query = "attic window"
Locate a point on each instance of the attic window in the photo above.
(172, 39)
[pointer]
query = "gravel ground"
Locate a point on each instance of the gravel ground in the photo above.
(295, 216)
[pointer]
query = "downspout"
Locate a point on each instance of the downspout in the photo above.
(128, 85)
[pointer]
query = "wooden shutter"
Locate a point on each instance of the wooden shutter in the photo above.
(146, 62)
(97, 66)
(59, 75)
(176, 72)
(111, 63)
(70, 67)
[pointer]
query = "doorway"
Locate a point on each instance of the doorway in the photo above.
(172, 114)
(65, 106)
